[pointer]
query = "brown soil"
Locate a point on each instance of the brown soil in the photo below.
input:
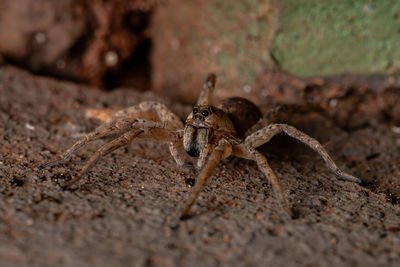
(125, 213)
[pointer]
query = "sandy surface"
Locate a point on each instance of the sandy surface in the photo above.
(125, 212)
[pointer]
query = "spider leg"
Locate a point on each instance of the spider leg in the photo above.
(143, 129)
(104, 130)
(213, 160)
(247, 152)
(144, 110)
(102, 151)
(208, 90)
(122, 121)
(263, 135)
(203, 155)
(275, 113)
(164, 115)
(173, 149)
(205, 152)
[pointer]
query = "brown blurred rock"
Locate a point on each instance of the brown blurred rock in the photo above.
(38, 33)
(193, 38)
(92, 41)
(352, 100)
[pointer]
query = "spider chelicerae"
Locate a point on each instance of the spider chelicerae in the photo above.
(209, 133)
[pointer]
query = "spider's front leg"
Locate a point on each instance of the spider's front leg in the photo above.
(248, 152)
(164, 115)
(265, 134)
(204, 154)
(223, 150)
(111, 128)
(123, 121)
(151, 110)
(173, 149)
(140, 129)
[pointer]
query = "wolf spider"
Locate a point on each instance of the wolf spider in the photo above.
(209, 133)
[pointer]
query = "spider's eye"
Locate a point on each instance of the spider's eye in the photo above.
(204, 113)
(195, 110)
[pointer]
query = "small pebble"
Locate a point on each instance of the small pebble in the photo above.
(111, 58)
(247, 88)
(396, 129)
(29, 127)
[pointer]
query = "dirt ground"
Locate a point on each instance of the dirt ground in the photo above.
(125, 212)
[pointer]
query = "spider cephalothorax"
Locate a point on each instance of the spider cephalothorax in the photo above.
(209, 133)
(202, 125)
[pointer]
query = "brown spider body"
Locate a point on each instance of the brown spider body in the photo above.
(209, 133)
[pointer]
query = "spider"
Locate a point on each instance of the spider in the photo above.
(209, 133)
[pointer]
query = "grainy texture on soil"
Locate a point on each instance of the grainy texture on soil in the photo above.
(125, 212)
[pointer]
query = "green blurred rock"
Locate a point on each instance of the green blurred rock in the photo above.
(235, 39)
(331, 37)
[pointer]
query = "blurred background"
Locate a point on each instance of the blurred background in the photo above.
(290, 51)
(67, 64)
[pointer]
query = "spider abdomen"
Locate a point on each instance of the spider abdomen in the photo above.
(242, 113)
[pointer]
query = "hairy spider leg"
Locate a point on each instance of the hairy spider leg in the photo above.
(173, 148)
(207, 91)
(104, 130)
(248, 152)
(274, 114)
(102, 151)
(142, 129)
(121, 122)
(163, 113)
(221, 151)
(203, 155)
(265, 134)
